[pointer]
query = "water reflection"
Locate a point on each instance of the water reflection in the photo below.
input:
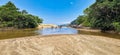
(111, 35)
(17, 33)
(50, 31)
(33, 32)
(63, 30)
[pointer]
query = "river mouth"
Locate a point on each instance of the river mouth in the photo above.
(32, 32)
(50, 31)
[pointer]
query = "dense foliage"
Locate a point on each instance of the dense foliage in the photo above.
(104, 15)
(79, 20)
(11, 16)
(82, 19)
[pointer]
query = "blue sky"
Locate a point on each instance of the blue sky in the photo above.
(53, 11)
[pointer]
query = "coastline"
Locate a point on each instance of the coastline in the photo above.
(41, 26)
(90, 30)
(62, 44)
(96, 30)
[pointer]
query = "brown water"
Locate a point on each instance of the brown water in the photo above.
(17, 33)
(110, 35)
(49, 31)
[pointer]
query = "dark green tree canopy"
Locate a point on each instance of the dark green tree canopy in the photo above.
(10, 16)
(103, 14)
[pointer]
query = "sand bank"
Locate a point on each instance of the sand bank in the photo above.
(88, 29)
(46, 26)
(60, 45)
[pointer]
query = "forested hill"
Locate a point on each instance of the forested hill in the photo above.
(103, 14)
(11, 16)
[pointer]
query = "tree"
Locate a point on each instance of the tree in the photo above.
(103, 14)
(24, 12)
(10, 16)
(79, 20)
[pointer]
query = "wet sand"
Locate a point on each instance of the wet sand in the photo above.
(89, 30)
(60, 45)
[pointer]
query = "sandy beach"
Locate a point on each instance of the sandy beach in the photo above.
(60, 45)
(46, 26)
(89, 30)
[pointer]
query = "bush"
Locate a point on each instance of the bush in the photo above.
(86, 24)
(117, 26)
(11, 16)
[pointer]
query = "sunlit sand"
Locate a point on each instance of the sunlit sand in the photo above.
(60, 45)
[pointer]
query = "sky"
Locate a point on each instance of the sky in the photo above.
(53, 11)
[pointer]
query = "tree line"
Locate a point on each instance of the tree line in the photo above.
(103, 14)
(11, 16)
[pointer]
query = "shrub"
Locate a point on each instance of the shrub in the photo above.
(117, 26)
